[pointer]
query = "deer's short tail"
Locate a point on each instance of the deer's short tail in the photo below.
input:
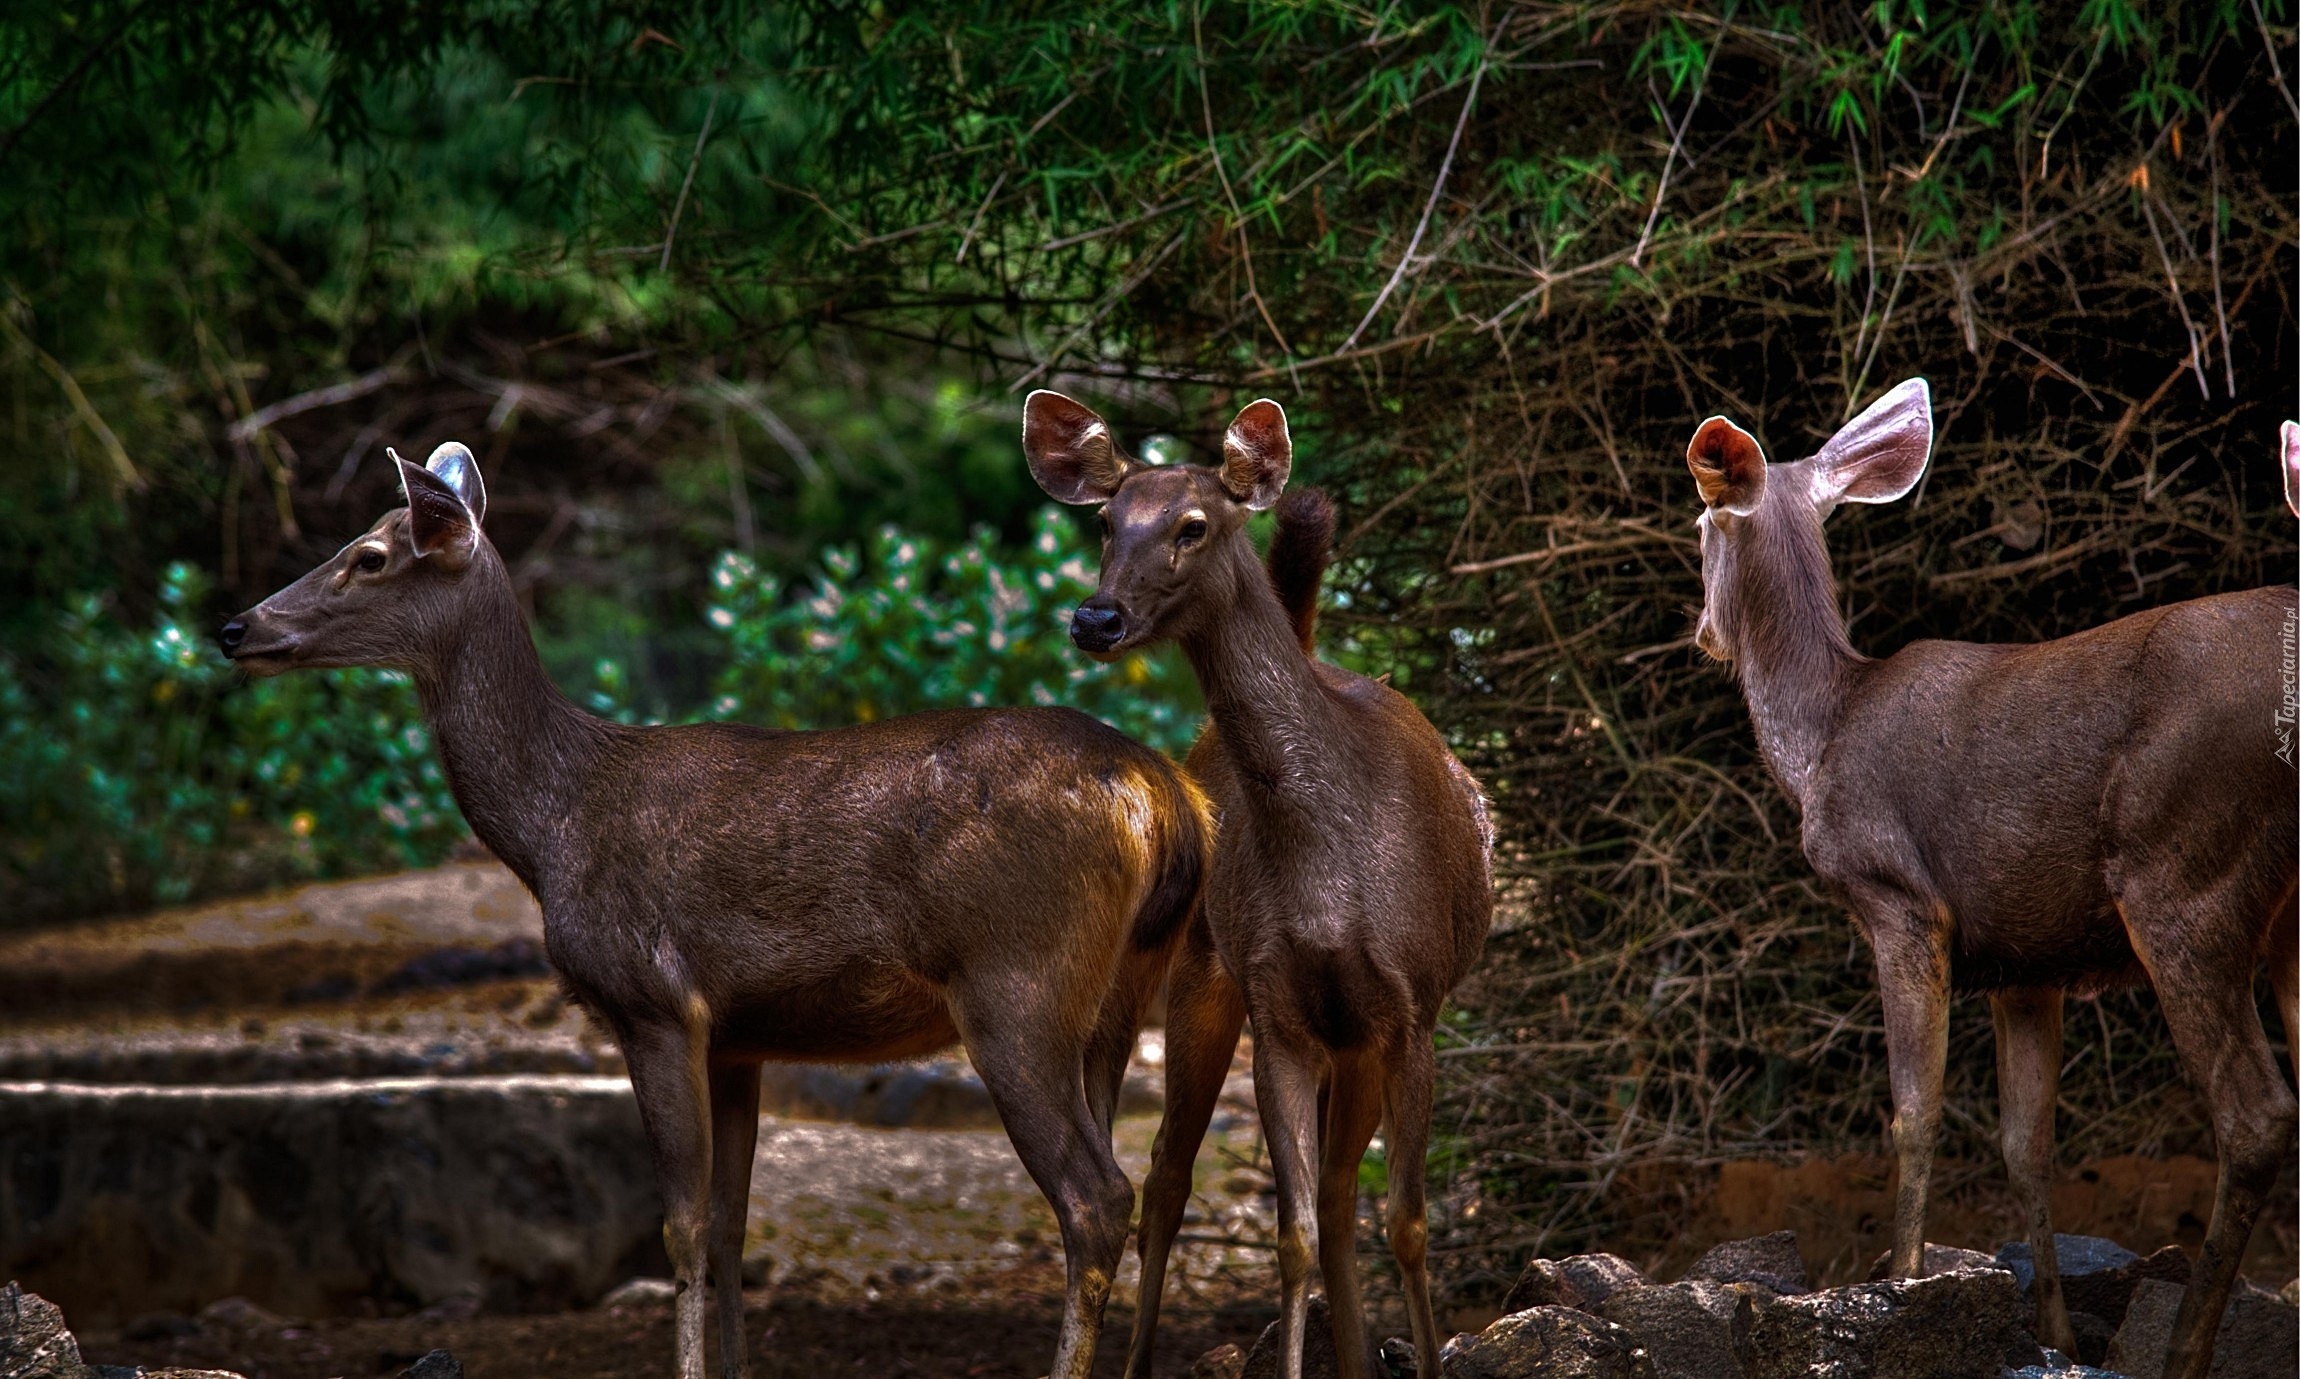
(1298, 553)
(1182, 843)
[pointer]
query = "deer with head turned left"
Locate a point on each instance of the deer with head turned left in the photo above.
(2025, 820)
(1351, 883)
(719, 895)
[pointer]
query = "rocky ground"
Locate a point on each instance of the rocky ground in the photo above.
(365, 1107)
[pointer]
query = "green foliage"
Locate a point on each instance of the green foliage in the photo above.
(924, 625)
(142, 770)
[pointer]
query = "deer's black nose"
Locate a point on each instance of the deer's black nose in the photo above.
(233, 634)
(1096, 629)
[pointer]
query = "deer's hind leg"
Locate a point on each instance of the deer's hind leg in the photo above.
(2028, 1031)
(2205, 990)
(1032, 1059)
(1203, 1016)
(1412, 1082)
(734, 1142)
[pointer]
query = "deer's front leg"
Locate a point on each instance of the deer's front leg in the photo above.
(1910, 939)
(734, 1143)
(668, 1073)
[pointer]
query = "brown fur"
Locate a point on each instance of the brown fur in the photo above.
(2026, 820)
(1351, 882)
(722, 895)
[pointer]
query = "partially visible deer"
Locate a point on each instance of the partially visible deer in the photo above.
(2289, 435)
(719, 895)
(2025, 820)
(1351, 882)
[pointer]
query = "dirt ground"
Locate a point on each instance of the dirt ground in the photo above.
(922, 1250)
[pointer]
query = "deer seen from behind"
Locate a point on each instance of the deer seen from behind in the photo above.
(1351, 882)
(2025, 820)
(719, 895)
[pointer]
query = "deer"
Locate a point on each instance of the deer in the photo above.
(2027, 821)
(718, 895)
(2288, 437)
(1351, 881)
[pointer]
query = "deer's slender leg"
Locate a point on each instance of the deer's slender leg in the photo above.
(1203, 1016)
(1412, 1078)
(667, 1063)
(1111, 1046)
(2205, 992)
(734, 1140)
(1286, 1076)
(2284, 972)
(1913, 979)
(2028, 1087)
(1353, 1111)
(1035, 1073)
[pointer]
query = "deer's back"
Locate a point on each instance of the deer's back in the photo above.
(1369, 876)
(2012, 784)
(816, 887)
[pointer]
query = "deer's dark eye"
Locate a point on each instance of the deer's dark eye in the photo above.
(1193, 531)
(370, 561)
(1103, 517)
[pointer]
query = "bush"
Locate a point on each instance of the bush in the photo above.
(141, 770)
(921, 626)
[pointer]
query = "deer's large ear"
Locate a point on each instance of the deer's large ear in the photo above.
(2289, 434)
(454, 462)
(1728, 465)
(1257, 454)
(438, 522)
(1880, 454)
(1070, 450)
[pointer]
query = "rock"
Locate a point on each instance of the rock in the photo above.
(1580, 1281)
(1693, 1330)
(1224, 1361)
(1965, 1324)
(1939, 1259)
(1396, 1358)
(2093, 1333)
(2096, 1275)
(640, 1292)
(33, 1341)
(1547, 1342)
(1263, 1361)
(237, 1314)
(2060, 1371)
(435, 1364)
(2259, 1334)
(535, 1192)
(1771, 1261)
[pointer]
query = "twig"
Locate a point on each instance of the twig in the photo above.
(72, 78)
(335, 394)
(2274, 66)
(1676, 143)
(1429, 207)
(967, 239)
(2179, 299)
(694, 161)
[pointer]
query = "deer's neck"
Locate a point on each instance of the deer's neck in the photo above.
(1795, 659)
(1261, 690)
(517, 753)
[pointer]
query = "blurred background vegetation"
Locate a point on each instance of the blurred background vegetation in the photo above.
(737, 302)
